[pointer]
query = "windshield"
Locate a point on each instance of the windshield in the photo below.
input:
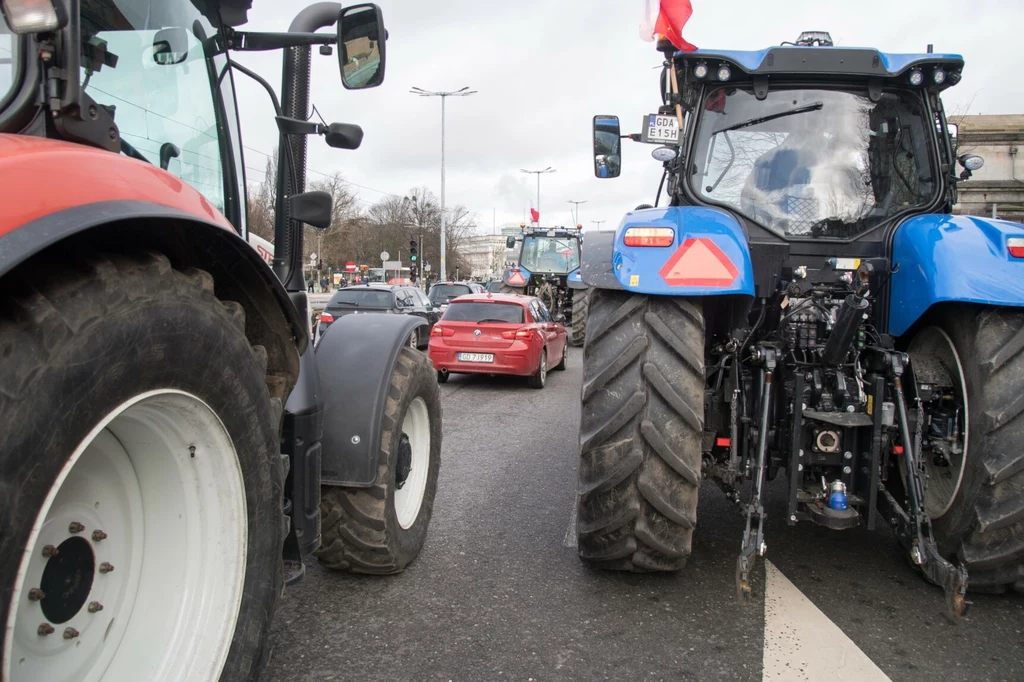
(468, 311)
(814, 162)
(550, 254)
(442, 293)
(363, 298)
(166, 107)
(8, 62)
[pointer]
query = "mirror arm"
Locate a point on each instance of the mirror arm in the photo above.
(247, 41)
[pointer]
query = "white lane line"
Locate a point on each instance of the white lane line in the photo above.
(570, 532)
(801, 643)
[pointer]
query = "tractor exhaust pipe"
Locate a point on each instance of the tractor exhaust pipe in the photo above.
(295, 104)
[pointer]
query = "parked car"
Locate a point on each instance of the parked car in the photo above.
(494, 286)
(381, 298)
(441, 293)
(498, 334)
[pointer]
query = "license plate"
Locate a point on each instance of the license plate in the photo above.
(476, 357)
(660, 129)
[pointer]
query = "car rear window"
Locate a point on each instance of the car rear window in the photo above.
(470, 311)
(368, 298)
(445, 292)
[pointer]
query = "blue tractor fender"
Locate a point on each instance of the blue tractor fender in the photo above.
(575, 280)
(708, 255)
(355, 358)
(941, 258)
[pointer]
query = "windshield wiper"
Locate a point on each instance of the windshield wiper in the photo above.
(817, 106)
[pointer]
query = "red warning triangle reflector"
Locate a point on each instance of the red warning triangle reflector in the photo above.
(699, 263)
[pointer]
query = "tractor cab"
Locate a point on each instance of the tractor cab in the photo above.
(548, 250)
(805, 140)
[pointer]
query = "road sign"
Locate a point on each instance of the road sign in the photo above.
(426, 267)
(350, 266)
(384, 255)
(312, 257)
(660, 129)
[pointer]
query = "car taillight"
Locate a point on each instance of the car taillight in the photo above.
(516, 278)
(517, 334)
(649, 236)
(438, 330)
(1016, 246)
(326, 317)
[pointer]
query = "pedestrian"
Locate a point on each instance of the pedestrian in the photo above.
(323, 285)
(309, 285)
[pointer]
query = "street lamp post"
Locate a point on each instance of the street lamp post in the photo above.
(576, 218)
(464, 92)
(598, 223)
(538, 173)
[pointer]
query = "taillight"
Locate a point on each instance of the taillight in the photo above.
(517, 334)
(1016, 246)
(438, 330)
(326, 317)
(649, 236)
(516, 278)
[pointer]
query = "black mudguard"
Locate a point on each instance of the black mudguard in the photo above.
(596, 265)
(355, 359)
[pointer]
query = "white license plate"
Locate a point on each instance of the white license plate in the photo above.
(476, 357)
(661, 129)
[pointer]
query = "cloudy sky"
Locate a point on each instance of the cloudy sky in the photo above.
(543, 68)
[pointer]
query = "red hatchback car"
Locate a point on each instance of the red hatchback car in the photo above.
(498, 334)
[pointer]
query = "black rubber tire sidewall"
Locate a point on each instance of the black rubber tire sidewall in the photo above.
(152, 332)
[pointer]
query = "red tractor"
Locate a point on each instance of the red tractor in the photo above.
(172, 447)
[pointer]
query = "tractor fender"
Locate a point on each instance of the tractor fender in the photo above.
(355, 359)
(575, 280)
(709, 255)
(941, 258)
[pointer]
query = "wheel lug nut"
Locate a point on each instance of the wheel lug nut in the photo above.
(45, 629)
(98, 535)
(35, 594)
(106, 567)
(70, 633)
(75, 527)
(95, 606)
(49, 551)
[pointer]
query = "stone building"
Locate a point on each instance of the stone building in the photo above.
(999, 186)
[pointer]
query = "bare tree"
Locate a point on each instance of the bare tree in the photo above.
(262, 201)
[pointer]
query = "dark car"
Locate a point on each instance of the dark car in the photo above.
(494, 286)
(381, 298)
(442, 293)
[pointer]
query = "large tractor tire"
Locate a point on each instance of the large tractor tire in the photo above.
(381, 529)
(640, 431)
(580, 306)
(977, 503)
(142, 476)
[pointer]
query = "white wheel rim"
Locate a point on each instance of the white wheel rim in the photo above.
(409, 498)
(176, 533)
(412, 341)
(543, 367)
(940, 490)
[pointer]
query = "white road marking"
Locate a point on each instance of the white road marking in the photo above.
(801, 643)
(570, 532)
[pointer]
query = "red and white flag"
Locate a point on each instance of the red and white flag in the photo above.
(665, 19)
(534, 214)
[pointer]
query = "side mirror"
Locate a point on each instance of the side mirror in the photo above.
(510, 243)
(361, 46)
(344, 136)
(170, 46)
(607, 147)
(312, 208)
(168, 151)
(953, 130)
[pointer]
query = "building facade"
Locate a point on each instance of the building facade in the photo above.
(998, 187)
(485, 254)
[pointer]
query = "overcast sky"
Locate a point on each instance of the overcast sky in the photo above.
(543, 68)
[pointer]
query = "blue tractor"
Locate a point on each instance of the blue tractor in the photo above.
(547, 265)
(805, 301)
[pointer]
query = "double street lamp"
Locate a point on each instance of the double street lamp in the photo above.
(549, 169)
(463, 92)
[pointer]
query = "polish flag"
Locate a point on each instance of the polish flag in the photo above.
(534, 214)
(665, 19)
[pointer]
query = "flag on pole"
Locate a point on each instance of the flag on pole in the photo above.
(665, 19)
(534, 214)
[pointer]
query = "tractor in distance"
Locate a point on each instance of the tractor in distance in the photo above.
(806, 303)
(547, 265)
(173, 449)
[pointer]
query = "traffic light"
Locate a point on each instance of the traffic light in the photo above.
(412, 251)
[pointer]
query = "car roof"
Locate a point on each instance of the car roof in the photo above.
(373, 286)
(521, 299)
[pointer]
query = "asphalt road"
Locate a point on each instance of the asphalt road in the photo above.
(498, 593)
